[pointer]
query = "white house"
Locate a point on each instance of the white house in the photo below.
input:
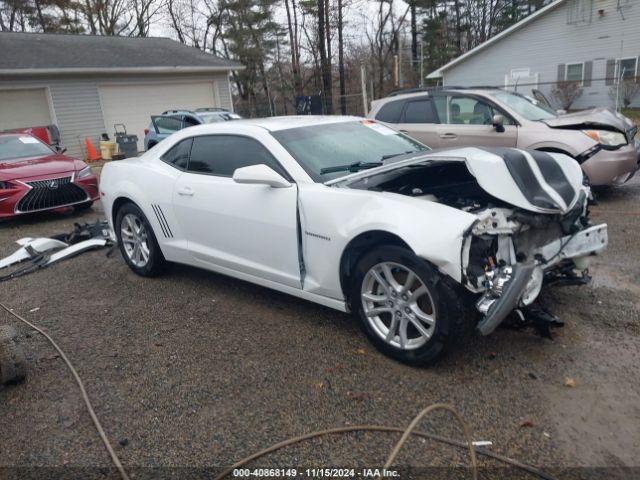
(593, 42)
(85, 83)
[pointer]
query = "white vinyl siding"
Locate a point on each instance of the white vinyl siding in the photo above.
(78, 114)
(550, 42)
(24, 108)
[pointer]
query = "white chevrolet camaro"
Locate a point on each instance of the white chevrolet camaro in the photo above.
(350, 214)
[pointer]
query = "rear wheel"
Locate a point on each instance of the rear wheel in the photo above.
(137, 241)
(405, 306)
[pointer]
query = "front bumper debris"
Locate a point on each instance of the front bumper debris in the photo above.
(513, 286)
(37, 253)
(495, 308)
(589, 241)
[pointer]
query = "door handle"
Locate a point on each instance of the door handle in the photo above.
(186, 191)
(448, 135)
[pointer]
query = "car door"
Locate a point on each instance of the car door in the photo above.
(250, 229)
(418, 119)
(466, 120)
(165, 125)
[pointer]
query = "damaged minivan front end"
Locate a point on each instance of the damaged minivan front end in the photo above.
(531, 224)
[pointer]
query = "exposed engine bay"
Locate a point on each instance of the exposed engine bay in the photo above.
(509, 252)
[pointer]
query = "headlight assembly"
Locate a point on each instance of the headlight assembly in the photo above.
(607, 137)
(85, 172)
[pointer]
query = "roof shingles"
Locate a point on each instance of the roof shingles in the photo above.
(37, 51)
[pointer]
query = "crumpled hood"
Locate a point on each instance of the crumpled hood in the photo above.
(597, 117)
(536, 181)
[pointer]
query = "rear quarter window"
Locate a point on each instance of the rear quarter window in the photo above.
(419, 111)
(390, 112)
(178, 155)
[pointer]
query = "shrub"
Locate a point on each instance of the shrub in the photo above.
(566, 93)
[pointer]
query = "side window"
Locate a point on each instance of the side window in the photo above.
(419, 111)
(461, 110)
(390, 112)
(222, 154)
(178, 155)
(167, 124)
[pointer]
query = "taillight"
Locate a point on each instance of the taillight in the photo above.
(146, 131)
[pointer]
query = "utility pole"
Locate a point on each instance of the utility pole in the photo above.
(363, 85)
(421, 83)
(395, 70)
(400, 46)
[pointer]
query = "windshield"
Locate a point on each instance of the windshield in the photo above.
(218, 117)
(322, 150)
(525, 106)
(14, 147)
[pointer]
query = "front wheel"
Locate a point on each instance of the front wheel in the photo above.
(137, 242)
(405, 306)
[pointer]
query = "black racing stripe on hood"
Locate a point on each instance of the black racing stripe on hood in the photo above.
(554, 175)
(524, 177)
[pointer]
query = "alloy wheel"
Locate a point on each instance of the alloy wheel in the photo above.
(134, 238)
(398, 305)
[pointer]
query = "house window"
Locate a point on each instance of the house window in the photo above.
(579, 11)
(574, 72)
(627, 67)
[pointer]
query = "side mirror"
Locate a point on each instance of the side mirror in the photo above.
(260, 175)
(498, 123)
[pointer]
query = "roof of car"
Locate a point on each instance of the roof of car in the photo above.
(295, 121)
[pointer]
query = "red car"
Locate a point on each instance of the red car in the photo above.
(34, 177)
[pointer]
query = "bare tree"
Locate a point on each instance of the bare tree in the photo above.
(566, 92)
(325, 65)
(627, 90)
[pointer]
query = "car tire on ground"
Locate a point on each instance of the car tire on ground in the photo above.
(151, 145)
(82, 206)
(414, 316)
(137, 242)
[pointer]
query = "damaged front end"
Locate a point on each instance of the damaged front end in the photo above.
(531, 225)
(511, 253)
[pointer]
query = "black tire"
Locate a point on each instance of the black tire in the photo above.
(83, 206)
(156, 262)
(450, 321)
(151, 145)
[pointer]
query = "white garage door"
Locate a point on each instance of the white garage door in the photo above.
(133, 105)
(24, 108)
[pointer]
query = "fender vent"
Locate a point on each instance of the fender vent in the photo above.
(164, 225)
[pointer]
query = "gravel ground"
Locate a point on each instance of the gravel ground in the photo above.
(195, 370)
